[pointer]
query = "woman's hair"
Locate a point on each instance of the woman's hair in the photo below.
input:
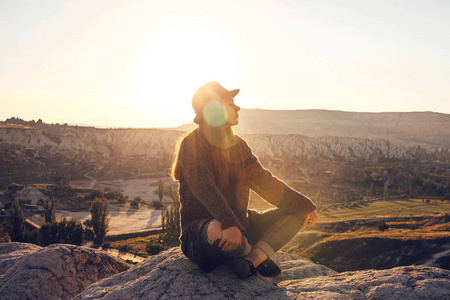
(226, 152)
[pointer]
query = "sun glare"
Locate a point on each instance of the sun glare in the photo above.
(176, 62)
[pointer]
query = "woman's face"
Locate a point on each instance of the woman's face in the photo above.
(232, 109)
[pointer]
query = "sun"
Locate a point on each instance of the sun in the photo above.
(176, 62)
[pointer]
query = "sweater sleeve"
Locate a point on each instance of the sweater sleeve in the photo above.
(274, 190)
(194, 166)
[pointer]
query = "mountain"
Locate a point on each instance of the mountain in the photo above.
(423, 127)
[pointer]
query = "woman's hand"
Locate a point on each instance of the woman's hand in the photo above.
(310, 219)
(231, 238)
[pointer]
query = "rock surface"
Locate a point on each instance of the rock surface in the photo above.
(170, 275)
(53, 272)
(63, 271)
(10, 252)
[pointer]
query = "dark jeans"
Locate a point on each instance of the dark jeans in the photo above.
(268, 230)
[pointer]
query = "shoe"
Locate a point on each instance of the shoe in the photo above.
(242, 267)
(268, 268)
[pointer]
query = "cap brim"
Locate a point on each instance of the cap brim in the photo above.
(233, 93)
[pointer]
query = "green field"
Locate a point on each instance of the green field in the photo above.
(390, 208)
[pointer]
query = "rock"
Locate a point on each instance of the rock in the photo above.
(10, 252)
(55, 272)
(63, 271)
(412, 282)
(170, 275)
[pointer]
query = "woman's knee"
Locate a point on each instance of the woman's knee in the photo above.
(214, 231)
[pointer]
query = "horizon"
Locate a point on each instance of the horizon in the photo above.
(138, 64)
(102, 126)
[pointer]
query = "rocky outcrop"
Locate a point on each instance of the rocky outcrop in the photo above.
(63, 271)
(53, 272)
(412, 283)
(10, 252)
(32, 147)
(170, 275)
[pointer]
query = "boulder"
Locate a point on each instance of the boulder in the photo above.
(170, 275)
(10, 252)
(411, 282)
(67, 271)
(55, 272)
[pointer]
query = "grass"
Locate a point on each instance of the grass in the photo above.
(390, 208)
(331, 226)
(138, 245)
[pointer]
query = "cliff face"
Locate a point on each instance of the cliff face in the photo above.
(98, 145)
(61, 271)
(49, 151)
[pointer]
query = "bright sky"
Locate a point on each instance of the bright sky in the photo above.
(137, 63)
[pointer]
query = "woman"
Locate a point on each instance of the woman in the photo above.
(216, 170)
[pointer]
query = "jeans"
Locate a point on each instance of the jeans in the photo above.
(268, 230)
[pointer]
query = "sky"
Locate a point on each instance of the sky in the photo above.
(137, 63)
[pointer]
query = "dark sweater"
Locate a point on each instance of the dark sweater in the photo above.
(202, 200)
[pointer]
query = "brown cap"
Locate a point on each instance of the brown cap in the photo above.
(208, 92)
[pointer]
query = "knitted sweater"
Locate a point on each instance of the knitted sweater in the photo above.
(202, 200)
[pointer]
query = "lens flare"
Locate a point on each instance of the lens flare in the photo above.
(215, 113)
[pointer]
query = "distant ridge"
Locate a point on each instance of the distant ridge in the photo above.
(429, 127)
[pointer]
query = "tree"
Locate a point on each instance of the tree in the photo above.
(170, 216)
(65, 231)
(386, 190)
(371, 190)
(160, 189)
(134, 204)
(138, 199)
(49, 211)
(318, 200)
(121, 199)
(100, 220)
(96, 194)
(18, 230)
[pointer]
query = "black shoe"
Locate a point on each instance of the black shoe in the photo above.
(268, 268)
(242, 267)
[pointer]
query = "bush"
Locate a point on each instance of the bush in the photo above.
(65, 232)
(382, 226)
(157, 204)
(112, 195)
(134, 204)
(89, 234)
(96, 194)
(125, 248)
(153, 247)
(121, 199)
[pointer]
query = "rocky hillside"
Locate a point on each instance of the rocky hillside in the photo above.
(426, 127)
(62, 271)
(33, 152)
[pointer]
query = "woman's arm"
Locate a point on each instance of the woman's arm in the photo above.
(274, 190)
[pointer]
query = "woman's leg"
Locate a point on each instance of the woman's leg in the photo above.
(269, 231)
(211, 236)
